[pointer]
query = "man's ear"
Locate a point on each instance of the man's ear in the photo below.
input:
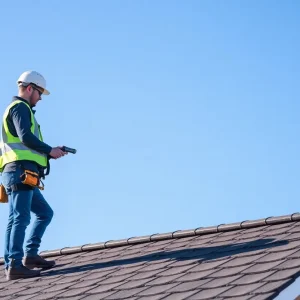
(29, 88)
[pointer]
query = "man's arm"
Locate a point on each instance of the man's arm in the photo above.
(21, 119)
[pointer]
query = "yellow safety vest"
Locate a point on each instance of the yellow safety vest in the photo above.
(11, 147)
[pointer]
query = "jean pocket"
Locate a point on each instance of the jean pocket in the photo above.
(10, 178)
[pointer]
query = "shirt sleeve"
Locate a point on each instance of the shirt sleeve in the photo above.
(21, 119)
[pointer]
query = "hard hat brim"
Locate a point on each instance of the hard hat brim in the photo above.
(46, 92)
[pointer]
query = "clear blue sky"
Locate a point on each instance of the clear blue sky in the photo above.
(184, 113)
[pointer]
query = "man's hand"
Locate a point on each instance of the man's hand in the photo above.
(57, 152)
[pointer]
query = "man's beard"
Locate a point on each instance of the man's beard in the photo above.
(30, 101)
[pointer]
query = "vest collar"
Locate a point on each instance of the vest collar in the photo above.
(22, 99)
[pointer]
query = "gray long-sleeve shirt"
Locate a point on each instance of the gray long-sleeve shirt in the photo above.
(19, 124)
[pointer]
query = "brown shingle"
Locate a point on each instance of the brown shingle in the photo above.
(218, 282)
(242, 290)
(185, 262)
(157, 289)
(289, 264)
(47, 296)
(229, 271)
(154, 297)
(103, 288)
(86, 283)
(259, 268)
(270, 257)
(124, 294)
(207, 265)
(125, 271)
(30, 291)
(178, 296)
(209, 294)
(194, 276)
(75, 292)
(285, 246)
(28, 297)
(296, 254)
(283, 274)
(98, 296)
(11, 291)
(253, 278)
(144, 275)
(99, 274)
(242, 261)
(189, 286)
(267, 296)
(154, 267)
(176, 270)
(273, 286)
(116, 279)
(59, 287)
(163, 280)
(132, 284)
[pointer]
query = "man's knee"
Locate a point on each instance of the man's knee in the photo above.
(46, 216)
(49, 215)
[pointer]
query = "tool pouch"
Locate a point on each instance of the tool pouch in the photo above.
(32, 179)
(3, 195)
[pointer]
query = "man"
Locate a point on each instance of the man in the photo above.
(23, 151)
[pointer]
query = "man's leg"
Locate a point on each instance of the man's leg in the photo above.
(9, 178)
(19, 218)
(7, 233)
(44, 214)
(21, 204)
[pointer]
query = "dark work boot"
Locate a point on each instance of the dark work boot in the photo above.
(21, 272)
(32, 262)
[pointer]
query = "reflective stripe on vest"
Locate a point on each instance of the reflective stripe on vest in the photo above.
(12, 149)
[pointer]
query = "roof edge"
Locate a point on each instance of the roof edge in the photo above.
(172, 235)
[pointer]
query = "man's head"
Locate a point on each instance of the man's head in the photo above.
(32, 85)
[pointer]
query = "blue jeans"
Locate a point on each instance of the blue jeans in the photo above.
(21, 203)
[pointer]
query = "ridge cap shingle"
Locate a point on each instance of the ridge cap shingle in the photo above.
(172, 235)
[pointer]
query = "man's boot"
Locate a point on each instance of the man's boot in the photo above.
(21, 272)
(36, 261)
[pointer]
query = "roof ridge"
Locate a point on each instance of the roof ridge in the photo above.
(172, 235)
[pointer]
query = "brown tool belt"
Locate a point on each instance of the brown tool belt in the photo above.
(32, 179)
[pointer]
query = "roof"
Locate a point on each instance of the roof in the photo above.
(247, 260)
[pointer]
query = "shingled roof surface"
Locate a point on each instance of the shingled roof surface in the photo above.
(249, 260)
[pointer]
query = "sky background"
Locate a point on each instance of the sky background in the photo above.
(184, 113)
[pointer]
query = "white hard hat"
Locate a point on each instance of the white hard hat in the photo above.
(35, 78)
